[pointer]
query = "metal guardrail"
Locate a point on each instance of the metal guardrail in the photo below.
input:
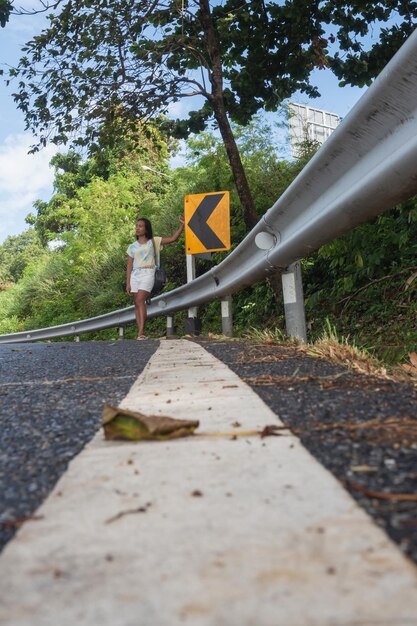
(365, 167)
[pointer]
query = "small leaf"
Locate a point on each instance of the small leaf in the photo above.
(409, 280)
(134, 426)
(363, 468)
(413, 358)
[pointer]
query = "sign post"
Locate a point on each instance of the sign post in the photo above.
(207, 229)
(192, 311)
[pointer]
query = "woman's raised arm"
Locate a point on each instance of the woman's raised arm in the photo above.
(176, 235)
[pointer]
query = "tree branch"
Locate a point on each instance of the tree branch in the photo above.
(47, 6)
(347, 299)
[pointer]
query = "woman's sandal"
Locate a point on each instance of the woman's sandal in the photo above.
(140, 337)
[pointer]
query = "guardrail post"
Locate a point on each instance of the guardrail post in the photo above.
(77, 338)
(170, 326)
(121, 332)
(227, 318)
(292, 288)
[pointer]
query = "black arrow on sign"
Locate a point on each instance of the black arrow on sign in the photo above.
(198, 222)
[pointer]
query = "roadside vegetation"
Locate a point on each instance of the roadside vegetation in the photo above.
(70, 263)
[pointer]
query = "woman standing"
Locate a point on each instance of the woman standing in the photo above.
(141, 263)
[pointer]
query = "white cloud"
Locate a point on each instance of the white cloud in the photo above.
(178, 159)
(24, 178)
(28, 5)
(183, 106)
(178, 109)
(22, 27)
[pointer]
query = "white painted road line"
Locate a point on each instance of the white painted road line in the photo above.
(204, 531)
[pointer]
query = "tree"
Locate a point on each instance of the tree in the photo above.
(104, 58)
(6, 8)
(111, 155)
(16, 252)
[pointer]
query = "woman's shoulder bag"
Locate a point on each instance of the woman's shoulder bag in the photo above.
(160, 274)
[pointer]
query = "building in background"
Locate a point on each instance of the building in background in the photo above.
(308, 124)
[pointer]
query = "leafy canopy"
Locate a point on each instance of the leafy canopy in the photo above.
(101, 58)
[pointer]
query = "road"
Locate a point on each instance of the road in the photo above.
(51, 399)
(224, 528)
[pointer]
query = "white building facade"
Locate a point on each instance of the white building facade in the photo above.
(309, 124)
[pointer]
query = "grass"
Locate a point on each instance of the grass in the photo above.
(338, 349)
(268, 335)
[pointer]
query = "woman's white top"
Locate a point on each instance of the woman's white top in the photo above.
(143, 254)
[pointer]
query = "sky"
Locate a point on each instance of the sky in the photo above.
(25, 177)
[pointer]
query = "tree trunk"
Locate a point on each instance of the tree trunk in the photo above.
(249, 212)
(250, 215)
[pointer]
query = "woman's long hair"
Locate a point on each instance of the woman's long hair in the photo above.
(148, 227)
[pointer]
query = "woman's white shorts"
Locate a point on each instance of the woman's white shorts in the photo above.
(142, 279)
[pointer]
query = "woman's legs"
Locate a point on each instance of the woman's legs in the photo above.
(140, 310)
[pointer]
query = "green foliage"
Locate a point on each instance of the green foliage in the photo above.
(255, 306)
(100, 66)
(125, 59)
(365, 282)
(6, 8)
(268, 176)
(133, 61)
(113, 159)
(93, 213)
(85, 274)
(17, 252)
(9, 322)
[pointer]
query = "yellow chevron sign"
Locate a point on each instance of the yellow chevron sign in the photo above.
(207, 222)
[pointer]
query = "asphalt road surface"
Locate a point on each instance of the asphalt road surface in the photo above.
(51, 401)
(363, 429)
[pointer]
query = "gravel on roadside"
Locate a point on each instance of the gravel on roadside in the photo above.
(51, 400)
(360, 427)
